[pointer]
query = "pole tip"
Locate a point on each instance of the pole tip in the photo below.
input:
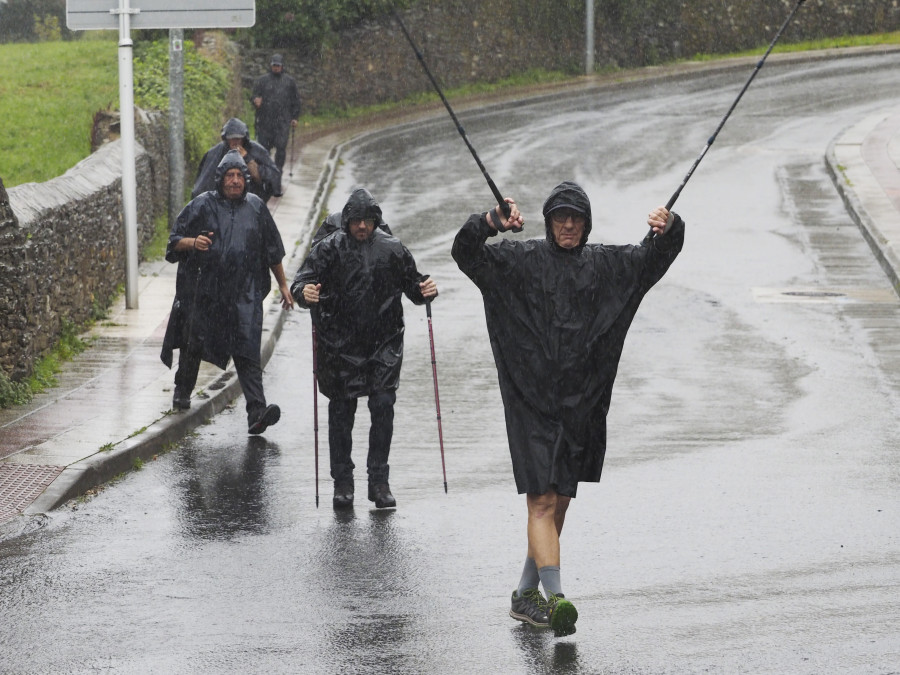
(445, 487)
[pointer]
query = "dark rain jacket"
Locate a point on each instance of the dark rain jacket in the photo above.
(359, 316)
(269, 173)
(280, 101)
(219, 293)
(557, 321)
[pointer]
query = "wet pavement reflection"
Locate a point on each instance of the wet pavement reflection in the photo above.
(746, 521)
(223, 496)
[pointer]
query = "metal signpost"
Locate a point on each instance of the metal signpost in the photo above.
(176, 122)
(119, 14)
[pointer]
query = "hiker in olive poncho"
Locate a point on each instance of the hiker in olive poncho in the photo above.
(557, 312)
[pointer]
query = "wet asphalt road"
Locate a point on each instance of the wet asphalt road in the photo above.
(748, 516)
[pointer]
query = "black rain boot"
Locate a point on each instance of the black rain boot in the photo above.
(181, 400)
(343, 494)
(380, 493)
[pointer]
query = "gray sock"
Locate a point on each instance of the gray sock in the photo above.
(550, 580)
(530, 577)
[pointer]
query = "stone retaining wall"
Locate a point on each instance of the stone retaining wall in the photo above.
(62, 243)
(467, 41)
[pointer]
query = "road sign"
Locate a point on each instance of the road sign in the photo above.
(103, 14)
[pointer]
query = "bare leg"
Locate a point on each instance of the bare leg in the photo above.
(546, 515)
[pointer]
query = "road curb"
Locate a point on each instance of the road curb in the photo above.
(848, 170)
(104, 466)
(79, 477)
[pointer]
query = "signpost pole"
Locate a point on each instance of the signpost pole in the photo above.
(129, 171)
(176, 123)
(589, 31)
(161, 14)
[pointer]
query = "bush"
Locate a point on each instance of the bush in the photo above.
(44, 374)
(206, 88)
(33, 20)
(13, 393)
(307, 25)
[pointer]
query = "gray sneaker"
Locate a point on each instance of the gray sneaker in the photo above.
(563, 614)
(529, 607)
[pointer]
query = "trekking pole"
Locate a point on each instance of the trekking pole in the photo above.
(316, 407)
(712, 138)
(504, 207)
(437, 398)
(291, 169)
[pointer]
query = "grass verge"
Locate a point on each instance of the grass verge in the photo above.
(842, 42)
(49, 93)
(45, 370)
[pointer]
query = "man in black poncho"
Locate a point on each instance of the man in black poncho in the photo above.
(353, 280)
(225, 243)
(557, 312)
(277, 101)
(265, 177)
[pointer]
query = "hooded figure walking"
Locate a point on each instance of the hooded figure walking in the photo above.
(353, 280)
(265, 177)
(225, 243)
(557, 312)
(277, 102)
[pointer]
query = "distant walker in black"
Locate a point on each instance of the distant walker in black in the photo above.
(277, 102)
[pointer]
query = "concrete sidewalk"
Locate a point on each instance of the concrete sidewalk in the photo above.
(112, 407)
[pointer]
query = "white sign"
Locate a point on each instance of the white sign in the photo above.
(104, 14)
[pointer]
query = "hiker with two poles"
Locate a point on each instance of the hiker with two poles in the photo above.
(353, 280)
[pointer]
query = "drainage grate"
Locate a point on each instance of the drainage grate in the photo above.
(814, 294)
(21, 484)
(827, 295)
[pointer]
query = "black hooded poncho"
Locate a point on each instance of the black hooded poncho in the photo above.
(219, 293)
(207, 173)
(557, 320)
(359, 316)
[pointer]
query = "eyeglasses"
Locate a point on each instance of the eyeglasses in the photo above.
(356, 222)
(560, 216)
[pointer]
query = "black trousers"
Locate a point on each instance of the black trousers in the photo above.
(341, 415)
(249, 375)
(275, 136)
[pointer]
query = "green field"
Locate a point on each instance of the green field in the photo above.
(49, 93)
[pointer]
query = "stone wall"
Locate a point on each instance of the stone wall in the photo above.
(62, 243)
(467, 41)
